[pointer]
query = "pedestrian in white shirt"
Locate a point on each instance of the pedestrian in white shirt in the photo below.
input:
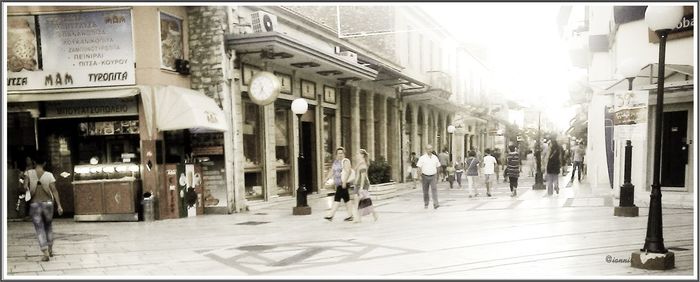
(489, 164)
(428, 165)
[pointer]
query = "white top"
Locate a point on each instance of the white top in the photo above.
(489, 164)
(46, 179)
(428, 164)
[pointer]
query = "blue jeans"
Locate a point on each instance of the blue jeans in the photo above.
(552, 182)
(42, 215)
(573, 171)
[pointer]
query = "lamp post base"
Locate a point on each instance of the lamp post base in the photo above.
(538, 186)
(301, 211)
(653, 261)
(627, 211)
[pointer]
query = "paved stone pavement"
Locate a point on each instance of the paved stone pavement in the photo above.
(570, 235)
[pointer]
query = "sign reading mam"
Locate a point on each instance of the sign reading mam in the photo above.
(89, 49)
(92, 108)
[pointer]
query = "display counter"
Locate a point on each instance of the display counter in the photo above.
(107, 192)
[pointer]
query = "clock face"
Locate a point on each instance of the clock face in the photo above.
(264, 88)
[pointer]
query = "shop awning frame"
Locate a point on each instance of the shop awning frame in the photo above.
(648, 82)
(282, 49)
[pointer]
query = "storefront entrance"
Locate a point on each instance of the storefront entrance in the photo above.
(674, 151)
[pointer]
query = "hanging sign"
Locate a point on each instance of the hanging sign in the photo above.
(630, 110)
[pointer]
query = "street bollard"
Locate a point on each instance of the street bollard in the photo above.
(148, 207)
(302, 207)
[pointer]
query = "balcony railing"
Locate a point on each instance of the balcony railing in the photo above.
(442, 81)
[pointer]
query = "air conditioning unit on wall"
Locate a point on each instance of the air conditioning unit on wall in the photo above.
(348, 56)
(263, 22)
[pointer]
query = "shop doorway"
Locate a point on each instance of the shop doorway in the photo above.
(307, 164)
(674, 149)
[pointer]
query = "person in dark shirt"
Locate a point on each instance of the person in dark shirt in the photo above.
(513, 169)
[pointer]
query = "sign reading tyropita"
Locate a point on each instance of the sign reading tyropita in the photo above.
(69, 50)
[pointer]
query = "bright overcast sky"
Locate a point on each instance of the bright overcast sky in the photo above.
(529, 60)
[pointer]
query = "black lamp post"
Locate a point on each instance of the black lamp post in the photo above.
(299, 107)
(451, 130)
(627, 208)
(654, 255)
(539, 183)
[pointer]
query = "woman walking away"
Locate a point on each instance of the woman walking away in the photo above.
(530, 160)
(42, 186)
(343, 177)
(450, 174)
(472, 165)
(553, 161)
(364, 202)
(459, 170)
(513, 169)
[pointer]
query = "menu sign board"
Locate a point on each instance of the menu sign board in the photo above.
(214, 182)
(86, 49)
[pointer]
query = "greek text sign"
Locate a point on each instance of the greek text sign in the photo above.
(70, 50)
(630, 114)
(92, 108)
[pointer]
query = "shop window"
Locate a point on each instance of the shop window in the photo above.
(109, 141)
(252, 150)
(283, 149)
(328, 139)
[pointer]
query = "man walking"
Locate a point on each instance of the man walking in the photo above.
(428, 165)
(578, 153)
(444, 158)
(489, 167)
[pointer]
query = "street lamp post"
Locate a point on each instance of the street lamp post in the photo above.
(654, 255)
(299, 107)
(451, 130)
(539, 183)
(629, 70)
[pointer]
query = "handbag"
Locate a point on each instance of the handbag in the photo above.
(351, 177)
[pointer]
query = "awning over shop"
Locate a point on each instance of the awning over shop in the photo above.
(284, 50)
(677, 78)
(180, 108)
(434, 98)
(174, 107)
(72, 94)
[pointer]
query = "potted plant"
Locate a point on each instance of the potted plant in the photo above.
(379, 171)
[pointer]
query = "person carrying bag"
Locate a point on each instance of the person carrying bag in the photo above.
(364, 202)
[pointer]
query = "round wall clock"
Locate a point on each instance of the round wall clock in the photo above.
(264, 88)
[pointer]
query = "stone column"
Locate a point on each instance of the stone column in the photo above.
(444, 132)
(394, 137)
(370, 125)
(270, 166)
(383, 120)
(415, 143)
(426, 141)
(355, 122)
(211, 74)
